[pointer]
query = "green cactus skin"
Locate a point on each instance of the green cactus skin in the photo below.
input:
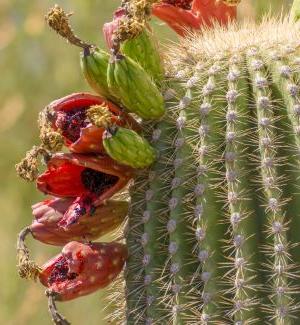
(240, 200)
(143, 50)
(278, 249)
(181, 209)
(155, 217)
(219, 211)
(135, 292)
(128, 148)
(129, 82)
(94, 63)
(207, 211)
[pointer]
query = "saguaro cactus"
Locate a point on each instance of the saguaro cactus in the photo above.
(213, 231)
(214, 223)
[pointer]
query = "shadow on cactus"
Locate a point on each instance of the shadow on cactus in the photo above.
(212, 234)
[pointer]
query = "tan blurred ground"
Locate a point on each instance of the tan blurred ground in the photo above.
(35, 68)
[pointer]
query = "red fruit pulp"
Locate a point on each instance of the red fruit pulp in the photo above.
(60, 272)
(70, 123)
(97, 182)
(81, 269)
(184, 4)
(71, 180)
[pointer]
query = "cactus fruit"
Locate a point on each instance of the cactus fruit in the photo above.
(127, 147)
(82, 268)
(79, 270)
(88, 179)
(142, 49)
(76, 118)
(295, 10)
(48, 213)
(129, 82)
(186, 15)
(94, 63)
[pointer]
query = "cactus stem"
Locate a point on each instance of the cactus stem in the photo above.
(134, 271)
(207, 213)
(27, 269)
(181, 208)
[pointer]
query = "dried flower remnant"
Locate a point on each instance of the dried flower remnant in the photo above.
(28, 167)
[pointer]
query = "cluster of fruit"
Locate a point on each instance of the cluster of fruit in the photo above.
(106, 139)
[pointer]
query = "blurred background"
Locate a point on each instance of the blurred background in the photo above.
(37, 67)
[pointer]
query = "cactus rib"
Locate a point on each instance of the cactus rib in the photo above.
(278, 250)
(134, 272)
(240, 205)
(207, 213)
(181, 237)
(155, 216)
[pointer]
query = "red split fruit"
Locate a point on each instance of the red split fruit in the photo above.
(88, 179)
(186, 15)
(48, 214)
(69, 117)
(81, 269)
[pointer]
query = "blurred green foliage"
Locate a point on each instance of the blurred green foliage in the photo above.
(37, 67)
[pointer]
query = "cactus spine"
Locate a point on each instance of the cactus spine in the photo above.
(214, 239)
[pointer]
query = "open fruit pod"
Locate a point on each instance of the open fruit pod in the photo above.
(48, 213)
(79, 270)
(70, 116)
(90, 180)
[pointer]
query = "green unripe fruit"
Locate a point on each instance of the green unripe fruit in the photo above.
(143, 50)
(132, 85)
(128, 148)
(94, 63)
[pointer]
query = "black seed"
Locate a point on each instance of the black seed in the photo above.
(92, 210)
(60, 272)
(97, 182)
(184, 4)
(71, 122)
